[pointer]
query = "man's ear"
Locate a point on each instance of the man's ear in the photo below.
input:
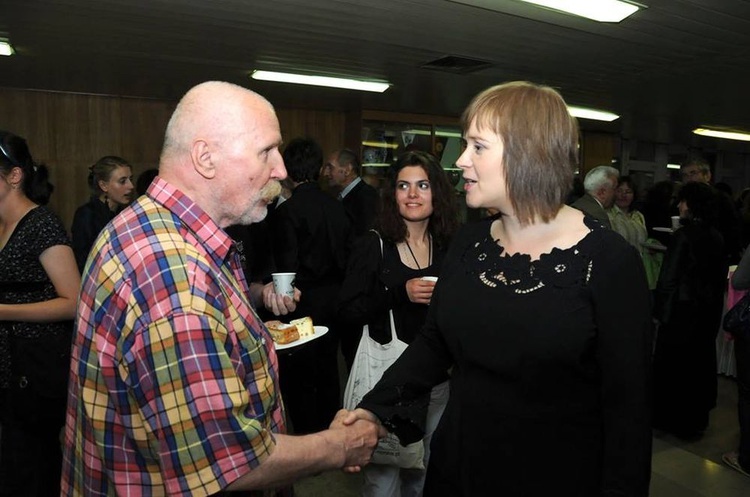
(202, 161)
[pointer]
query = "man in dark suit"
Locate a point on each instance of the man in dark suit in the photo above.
(359, 199)
(311, 237)
(600, 184)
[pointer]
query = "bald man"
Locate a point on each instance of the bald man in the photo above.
(174, 379)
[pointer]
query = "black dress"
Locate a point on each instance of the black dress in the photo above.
(689, 302)
(549, 391)
(88, 221)
(34, 363)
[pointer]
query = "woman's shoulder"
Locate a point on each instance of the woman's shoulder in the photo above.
(45, 227)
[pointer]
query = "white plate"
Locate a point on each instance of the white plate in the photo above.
(319, 332)
(663, 230)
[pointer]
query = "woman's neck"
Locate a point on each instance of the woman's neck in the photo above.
(14, 208)
(106, 201)
(537, 237)
(417, 233)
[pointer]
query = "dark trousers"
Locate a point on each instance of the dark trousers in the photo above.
(310, 383)
(742, 355)
(30, 449)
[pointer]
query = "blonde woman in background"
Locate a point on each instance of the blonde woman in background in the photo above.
(624, 219)
(111, 183)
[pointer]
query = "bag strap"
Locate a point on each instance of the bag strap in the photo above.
(390, 311)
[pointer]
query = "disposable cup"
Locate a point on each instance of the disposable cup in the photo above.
(675, 222)
(283, 283)
(430, 278)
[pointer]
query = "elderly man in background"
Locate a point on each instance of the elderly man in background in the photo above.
(358, 198)
(174, 379)
(600, 184)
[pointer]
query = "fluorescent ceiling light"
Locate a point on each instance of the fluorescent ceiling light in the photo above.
(5, 48)
(597, 10)
(302, 79)
(424, 132)
(729, 135)
(597, 115)
(673, 166)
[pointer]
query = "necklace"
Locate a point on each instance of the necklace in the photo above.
(429, 256)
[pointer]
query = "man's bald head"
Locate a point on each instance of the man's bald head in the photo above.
(221, 149)
(208, 111)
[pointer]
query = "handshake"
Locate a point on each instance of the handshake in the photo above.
(358, 433)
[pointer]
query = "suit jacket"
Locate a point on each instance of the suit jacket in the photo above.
(311, 236)
(361, 204)
(589, 205)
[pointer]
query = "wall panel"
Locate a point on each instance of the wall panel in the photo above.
(69, 132)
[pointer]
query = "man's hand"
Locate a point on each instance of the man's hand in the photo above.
(279, 304)
(359, 419)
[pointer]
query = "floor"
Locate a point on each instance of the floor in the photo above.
(679, 468)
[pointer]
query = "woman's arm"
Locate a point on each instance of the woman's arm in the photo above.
(60, 265)
(624, 343)
(672, 269)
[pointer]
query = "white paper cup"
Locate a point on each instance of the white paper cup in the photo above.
(675, 222)
(283, 283)
(430, 278)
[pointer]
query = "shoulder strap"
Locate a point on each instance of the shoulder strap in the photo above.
(394, 337)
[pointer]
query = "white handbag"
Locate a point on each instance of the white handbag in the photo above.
(370, 363)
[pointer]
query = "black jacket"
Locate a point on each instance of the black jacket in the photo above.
(361, 204)
(88, 221)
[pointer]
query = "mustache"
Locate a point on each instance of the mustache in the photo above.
(271, 190)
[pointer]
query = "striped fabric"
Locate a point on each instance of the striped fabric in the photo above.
(173, 381)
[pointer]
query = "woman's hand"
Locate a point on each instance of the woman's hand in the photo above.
(419, 291)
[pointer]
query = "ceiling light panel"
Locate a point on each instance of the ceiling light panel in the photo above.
(303, 79)
(597, 10)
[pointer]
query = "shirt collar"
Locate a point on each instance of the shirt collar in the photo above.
(215, 240)
(350, 187)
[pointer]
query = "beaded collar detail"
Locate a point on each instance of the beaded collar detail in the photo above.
(561, 268)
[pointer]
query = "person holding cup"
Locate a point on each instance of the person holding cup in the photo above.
(395, 267)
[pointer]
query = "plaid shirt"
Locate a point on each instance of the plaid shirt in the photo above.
(173, 380)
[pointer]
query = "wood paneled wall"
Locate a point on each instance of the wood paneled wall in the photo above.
(69, 132)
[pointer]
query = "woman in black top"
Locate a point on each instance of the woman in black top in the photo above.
(689, 299)
(38, 291)
(111, 183)
(549, 387)
(418, 216)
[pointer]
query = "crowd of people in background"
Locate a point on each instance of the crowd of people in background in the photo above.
(613, 289)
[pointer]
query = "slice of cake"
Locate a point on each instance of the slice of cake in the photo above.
(282, 333)
(304, 326)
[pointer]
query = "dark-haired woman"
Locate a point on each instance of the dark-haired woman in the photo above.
(38, 291)
(111, 183)
(688, 305)
(417, 219)
(550, 372)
